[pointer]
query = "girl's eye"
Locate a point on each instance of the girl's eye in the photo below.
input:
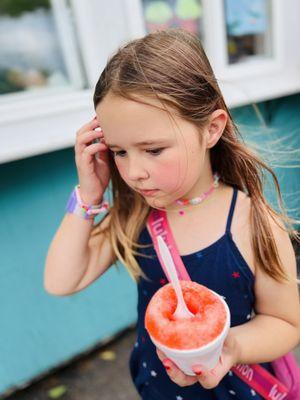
(117, 153)
(154, 152)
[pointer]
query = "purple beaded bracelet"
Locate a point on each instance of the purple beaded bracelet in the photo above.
(87, 211)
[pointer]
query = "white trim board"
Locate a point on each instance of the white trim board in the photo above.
(36, 126)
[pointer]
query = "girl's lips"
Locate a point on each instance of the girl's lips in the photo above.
(148, 192)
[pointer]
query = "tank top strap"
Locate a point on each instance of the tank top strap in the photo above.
(231, 210)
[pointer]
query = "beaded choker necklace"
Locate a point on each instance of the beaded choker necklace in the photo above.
(203, 196)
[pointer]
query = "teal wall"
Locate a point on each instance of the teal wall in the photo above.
(39, 331)
(275, 131)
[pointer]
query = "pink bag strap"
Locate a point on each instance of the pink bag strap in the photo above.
(264, 383)
(158, 224)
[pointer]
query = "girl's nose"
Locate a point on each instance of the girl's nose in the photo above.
(136, 172)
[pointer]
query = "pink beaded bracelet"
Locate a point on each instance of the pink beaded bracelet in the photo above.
(87, 211)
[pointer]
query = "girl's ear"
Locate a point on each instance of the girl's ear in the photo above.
(215, 127)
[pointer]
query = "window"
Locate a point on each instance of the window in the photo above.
(163, 14)
(37, 47)
(248, 29)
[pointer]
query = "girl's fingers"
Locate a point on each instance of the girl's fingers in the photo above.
(175, 374)
(178, 376)
(88, 127)
(86, 139)
(93, 148)
(210, 379)
(89, 152)
(160, 354)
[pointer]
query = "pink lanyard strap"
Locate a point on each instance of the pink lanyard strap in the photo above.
(158, 224)
(264, 383)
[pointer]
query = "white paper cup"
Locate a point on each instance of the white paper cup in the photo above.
(207, 355)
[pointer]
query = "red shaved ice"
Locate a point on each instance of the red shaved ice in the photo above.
(208, 322)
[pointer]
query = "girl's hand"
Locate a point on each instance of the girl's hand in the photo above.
(208, 379)
(93, 173)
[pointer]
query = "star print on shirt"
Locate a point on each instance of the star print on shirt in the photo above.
(162, 281)
(236, 275)
(153, 373)
(179, 398)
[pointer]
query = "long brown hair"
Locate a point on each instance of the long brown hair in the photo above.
(172, 66)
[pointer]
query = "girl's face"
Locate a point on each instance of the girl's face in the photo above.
(171, 161)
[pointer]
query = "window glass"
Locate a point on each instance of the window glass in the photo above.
(163, 14)
(248, 27)
(31, 57)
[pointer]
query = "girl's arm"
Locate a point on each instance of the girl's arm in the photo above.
(275, 330)
(75, 259)
(68, 255)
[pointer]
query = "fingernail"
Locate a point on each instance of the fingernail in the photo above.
(166, 363)
(198, 370)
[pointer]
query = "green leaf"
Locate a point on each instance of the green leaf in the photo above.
(57, 392)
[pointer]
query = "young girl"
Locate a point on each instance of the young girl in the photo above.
(165, 134)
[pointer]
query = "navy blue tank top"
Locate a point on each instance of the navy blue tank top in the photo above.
(220, 267)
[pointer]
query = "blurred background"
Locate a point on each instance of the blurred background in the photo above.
(51, 55)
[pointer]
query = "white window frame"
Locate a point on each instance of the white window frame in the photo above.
(70, 56)
(259, 79)
(216, 43)
(63, 17)
(38, 121)
(42, 121)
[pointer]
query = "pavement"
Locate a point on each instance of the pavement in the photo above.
(102, 374)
